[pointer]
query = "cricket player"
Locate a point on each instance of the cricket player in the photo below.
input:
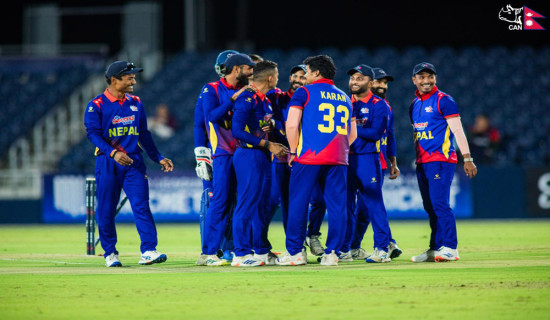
(203, 156)
(365, 172)
(387, 151)
(436, 121)
(320, 128)
(117, 125)
(218, 100)
(251, 127)
(280, 170)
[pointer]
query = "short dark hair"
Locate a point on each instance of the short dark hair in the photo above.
(109, 79)
(263, 69)
(322, 63)
(255, 57)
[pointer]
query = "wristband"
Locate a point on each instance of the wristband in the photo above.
(293, 154)
(232, 100)
(266, 144)
(113, 154)
(469, 159)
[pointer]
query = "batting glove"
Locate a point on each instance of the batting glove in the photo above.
(203, 156)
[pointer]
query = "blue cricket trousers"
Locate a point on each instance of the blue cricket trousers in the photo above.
(362, 223)
(251, 168)
(205, 203)
(332, 179)
(111, 178)
(223, 195)
(317, 210)
(365, 175)
(434, 181)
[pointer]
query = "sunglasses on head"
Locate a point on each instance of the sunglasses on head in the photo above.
(130, 66)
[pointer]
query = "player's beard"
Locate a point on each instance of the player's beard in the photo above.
(294, 85)
(242, 80)
(359, 91)
(381, 92)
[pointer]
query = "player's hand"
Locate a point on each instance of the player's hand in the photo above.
(470, 169)
(394, 172)
(291, 160)
(166, 165)
(238, 93)
(268, 126)
(278, 149)
(203, 156)
(123, 159)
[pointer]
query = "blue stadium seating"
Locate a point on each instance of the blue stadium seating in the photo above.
(511, 85)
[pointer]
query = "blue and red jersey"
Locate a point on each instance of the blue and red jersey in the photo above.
(119, 124)
(279, 104)
(371, 117)
(388, 147)
(325, 125)
(252, 110)
(433, 137)
(218, 113)
(200, 136)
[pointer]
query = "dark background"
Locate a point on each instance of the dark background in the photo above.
(315, 24)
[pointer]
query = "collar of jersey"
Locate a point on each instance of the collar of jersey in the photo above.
(323, 80)
(259, 93)
(113, 98)
(425, 96)
(365, 99)
(228, 85)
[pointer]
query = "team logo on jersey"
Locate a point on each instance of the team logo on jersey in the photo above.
(420, 125)
(248, 99)
(125, 120)
(373, 180)
(437, 177)
(429, 109)
(364, 110)
(90, 109)
(522, 18)
(133, 108)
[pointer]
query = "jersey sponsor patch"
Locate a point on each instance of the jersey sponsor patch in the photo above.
(90, 109)
(429, 109)
(133, 108)
(364, 110)
(420, 125)
(125, 120)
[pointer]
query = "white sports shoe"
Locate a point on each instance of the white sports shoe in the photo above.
(246, 261)
(112, 260)
(345, 257)
(269, 259)
(153, 256)
(394, 251)
(359, 254)
(315, 246)
(330, 259)
(427, 256)
(213, 261)
(445, 254)
(201, 261)
(378, 256)
(296, 260)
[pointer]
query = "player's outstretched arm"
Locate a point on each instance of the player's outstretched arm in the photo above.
(456, 127)
(292, 131)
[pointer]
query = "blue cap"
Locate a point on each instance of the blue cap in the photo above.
(238, 59)
(220, 60)
(297, 68)
(119, 68)
(379, 73)
(424, 66)
(362, 69)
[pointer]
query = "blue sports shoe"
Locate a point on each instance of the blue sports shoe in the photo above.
(227, 255)
(150, 257)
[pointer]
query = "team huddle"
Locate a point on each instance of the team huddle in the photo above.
(311, 150)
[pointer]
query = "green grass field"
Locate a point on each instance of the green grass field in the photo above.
(504, 273)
